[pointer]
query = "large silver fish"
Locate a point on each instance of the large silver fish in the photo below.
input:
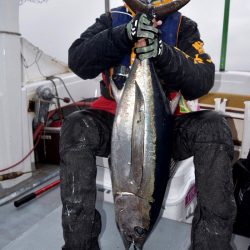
(140, 153)
(141, 145)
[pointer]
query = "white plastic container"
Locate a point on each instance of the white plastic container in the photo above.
(181, 198)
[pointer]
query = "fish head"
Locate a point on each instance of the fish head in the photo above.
(133, 219)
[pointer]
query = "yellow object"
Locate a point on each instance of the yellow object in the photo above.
(197, 59)
(183, 105)
(129, 10)
(198, 45)
(161, 2)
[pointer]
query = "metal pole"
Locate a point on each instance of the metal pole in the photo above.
(107, 6)
(224, 36)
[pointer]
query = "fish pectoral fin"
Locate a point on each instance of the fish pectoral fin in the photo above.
(116, 92)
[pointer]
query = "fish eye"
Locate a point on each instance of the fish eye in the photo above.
(140, 231)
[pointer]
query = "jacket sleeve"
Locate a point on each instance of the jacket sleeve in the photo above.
(98, 48)
(186, 68)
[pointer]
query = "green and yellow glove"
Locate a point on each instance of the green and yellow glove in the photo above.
(153, 49)
(141, 27)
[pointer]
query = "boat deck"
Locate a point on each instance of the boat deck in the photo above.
(37, 226)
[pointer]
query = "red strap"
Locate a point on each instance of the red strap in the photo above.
(104, 104)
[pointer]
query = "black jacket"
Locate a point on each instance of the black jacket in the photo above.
(187, 68)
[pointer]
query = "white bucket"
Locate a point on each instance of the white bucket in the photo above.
(181, 198)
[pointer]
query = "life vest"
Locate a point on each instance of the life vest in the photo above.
(169, 34)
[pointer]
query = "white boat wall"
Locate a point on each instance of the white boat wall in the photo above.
(231, 95)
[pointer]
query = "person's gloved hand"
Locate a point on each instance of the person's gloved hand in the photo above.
(149, 48)
(141, 27)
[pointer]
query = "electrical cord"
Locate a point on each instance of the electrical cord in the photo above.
(38, 56)
(40, 70)
(57, 100)
(36, 61)
(61, 80)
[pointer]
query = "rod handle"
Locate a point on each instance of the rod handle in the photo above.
(25, 199)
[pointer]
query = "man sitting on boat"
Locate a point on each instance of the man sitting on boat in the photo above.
(176, 49)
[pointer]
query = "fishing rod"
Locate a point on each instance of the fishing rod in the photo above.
(33, 195)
